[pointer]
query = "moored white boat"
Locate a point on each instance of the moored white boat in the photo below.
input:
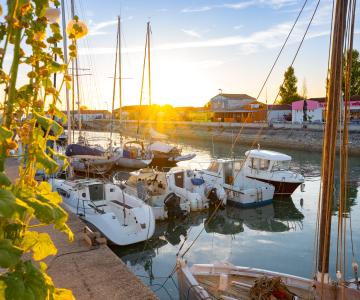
(240, 190)
(273, 168)
(152, 187)
(122, 218)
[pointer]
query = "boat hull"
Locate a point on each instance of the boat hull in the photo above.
(201, 281)
(132, 163)
(281, 187)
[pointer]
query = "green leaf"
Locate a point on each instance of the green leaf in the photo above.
(43, 211)
(9, 206)
(27, 282)
(4, 180)
(49, 124)
(5, 133)
(60, 157)
(40, 243)
(9, 254)
(44, 161)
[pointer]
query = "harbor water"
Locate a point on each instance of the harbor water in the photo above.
(278, 237)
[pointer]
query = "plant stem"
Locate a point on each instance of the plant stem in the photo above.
(13, 78)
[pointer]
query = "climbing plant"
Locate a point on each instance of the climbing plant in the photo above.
(29, 38)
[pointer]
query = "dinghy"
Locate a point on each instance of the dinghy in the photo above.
(122, 218)
(133, 155)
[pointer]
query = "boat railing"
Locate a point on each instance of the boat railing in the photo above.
(92, 206)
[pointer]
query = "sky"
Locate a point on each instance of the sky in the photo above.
(199, 47)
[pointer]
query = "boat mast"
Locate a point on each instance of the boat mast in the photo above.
(114, 83)
(142, 80)
(149, 59)
(76, 68)
(120, 77)
(66, 72)
(330, 136)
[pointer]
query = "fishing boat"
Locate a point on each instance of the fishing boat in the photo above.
(225, 281)
(152, 187)
(241, 190)
(273, 168)
(191, 185)
(122, 218)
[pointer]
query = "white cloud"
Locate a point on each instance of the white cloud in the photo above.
(191, 33)
(237, 27)
(276, 4)
(97, 28)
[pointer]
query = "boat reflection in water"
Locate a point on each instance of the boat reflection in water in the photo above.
(279, 216)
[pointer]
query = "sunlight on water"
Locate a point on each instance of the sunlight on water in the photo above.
(278, 237)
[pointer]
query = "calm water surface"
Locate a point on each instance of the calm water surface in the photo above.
(278, 237)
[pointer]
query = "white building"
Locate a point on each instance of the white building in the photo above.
(278, 113)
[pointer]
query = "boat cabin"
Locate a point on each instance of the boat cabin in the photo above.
(227, 169)
(266, 161)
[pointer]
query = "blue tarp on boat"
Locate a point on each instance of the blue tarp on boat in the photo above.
(197, 181)
(75, 149)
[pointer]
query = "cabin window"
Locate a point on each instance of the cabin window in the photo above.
(264, 164)
(214, 167)
(111, 190)
(96, 192)
(63, 193)
(281, 165)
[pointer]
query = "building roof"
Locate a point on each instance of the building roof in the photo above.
(236, 96)
(279, 106)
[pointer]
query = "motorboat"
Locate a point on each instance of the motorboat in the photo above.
(166, 154)
(273, 168)
(192, 185)
(122, 218)
(241, 190)
(152, 187)
(133, 155)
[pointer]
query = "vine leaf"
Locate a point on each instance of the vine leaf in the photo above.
(4, 180)
(9, 254)
(40, 243)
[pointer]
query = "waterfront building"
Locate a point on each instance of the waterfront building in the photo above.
(88, 114)
(237, 108)
(278, 113)
(313, 110)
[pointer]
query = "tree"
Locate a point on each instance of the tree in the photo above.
(355, 73)
(288, 90)
(29, 36)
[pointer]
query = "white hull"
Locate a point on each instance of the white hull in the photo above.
(132, 163)
(121, 218)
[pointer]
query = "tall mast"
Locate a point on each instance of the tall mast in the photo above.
(149, 59)
(142, 81)
(76, 74)
(114, 84)
(330, 137)
(120, 75)
(66, 72)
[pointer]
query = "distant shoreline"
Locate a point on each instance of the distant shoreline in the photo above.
(294, 137)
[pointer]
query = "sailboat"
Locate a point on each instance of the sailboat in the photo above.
(225, 281)
(164, 154)
(132, 154)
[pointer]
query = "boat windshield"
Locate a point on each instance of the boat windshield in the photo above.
(214, 167)
(281, 165)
